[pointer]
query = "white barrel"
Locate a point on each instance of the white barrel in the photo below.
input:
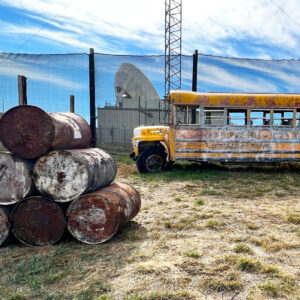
(64, 175)
(15, 179)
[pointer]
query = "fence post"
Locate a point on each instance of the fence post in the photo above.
(22, 89)
(194, 83)
(92, 96)
(195, 71)
(72, 104)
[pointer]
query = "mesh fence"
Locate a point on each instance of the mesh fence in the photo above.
(128, 88)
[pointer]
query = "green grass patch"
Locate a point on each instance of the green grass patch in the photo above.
(97, 288)
(249, 265)
(269, 288)
(179, 295)
(193, 254)
(199, 202)
(242, 248)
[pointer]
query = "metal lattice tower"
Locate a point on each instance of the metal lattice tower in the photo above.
(173, 34)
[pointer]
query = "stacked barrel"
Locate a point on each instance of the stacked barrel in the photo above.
(50, 179)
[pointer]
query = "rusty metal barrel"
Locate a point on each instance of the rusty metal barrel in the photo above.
(37, 221)
(15, 179)
(64, 175)
(4, 224)
(94, 218)
(29, 132)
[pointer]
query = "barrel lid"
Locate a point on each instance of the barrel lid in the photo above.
(15, 179)
(37, 221)
(27, 131)
(92, 219)
(61, 176)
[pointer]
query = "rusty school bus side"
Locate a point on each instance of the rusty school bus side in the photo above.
(236, 127)
(230, 127)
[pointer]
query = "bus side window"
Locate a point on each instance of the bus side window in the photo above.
(193, 114)
(260, 117)
(214, 117)
(283, 118)
(237, 117)
(298, 117)
(181, 114)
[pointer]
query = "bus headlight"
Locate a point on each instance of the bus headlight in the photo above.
(136, 142)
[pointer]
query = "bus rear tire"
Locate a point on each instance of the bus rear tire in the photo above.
(150, 160)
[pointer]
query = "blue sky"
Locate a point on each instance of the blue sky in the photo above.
(240, 28)
(256, 29)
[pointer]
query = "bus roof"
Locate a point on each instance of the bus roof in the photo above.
(241, 100)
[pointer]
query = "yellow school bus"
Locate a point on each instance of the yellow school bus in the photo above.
(221, 127)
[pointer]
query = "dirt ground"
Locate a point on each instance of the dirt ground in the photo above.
(202, 233)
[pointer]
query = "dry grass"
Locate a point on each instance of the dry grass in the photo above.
(201, 234)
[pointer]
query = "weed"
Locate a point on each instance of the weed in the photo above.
(145, 269)
(213, 224)
(161, 296)
(252, 226)
(96, 288)
(219, 285)
(177, 199)
(231, 282)
(271, 270)
(17, 296)
(270, 288)
(243, 248)
(256, 241)
(168, 225)
(294, 219)
(193, 254)
(132, 236)
(199, 202)
(249, 265)
(211, 192)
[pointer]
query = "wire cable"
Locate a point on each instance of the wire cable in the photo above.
(284, 12)
(43, 26)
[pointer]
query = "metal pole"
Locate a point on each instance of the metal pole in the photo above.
(22, 89)
(72, 104)
(92, 96)
(194, 83)
(195, 71)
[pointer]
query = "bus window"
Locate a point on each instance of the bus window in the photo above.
(237, 117)
(181, 114)
(214, 116)
(193, 115)
(283, 118)
(298, 117)
(260, 117)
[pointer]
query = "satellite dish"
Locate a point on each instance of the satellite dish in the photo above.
(132, 83)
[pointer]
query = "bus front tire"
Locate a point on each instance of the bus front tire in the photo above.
(151, 159)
